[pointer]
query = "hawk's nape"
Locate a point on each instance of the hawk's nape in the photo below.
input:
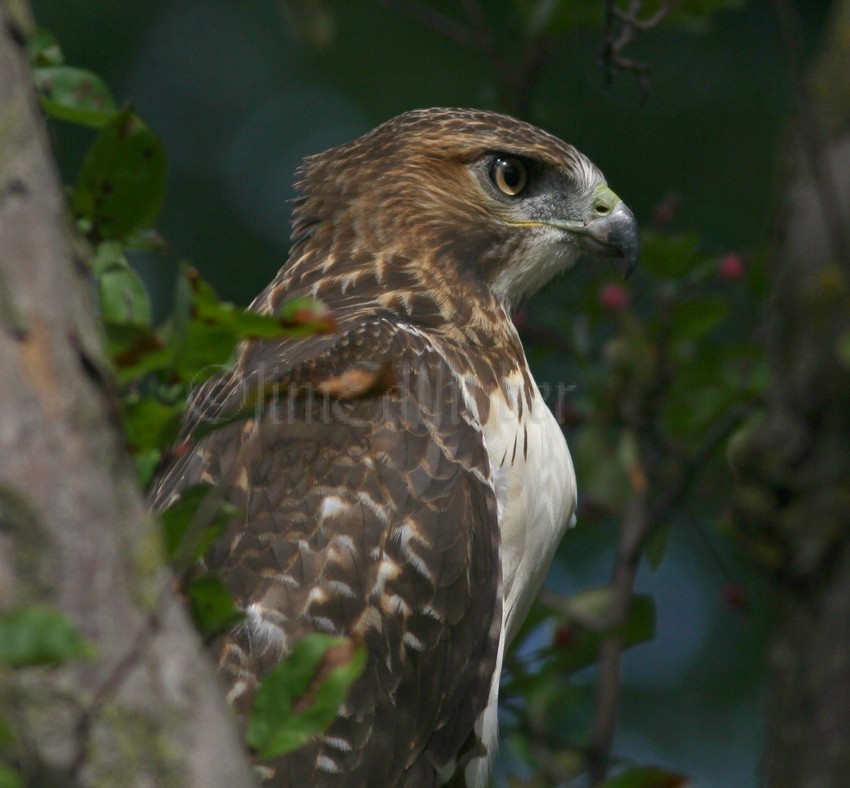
(406, 485)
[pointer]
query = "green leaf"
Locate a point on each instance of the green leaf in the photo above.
(640, 623)
(647, 777)
(10, 778)
(694, 318)
(135, 350)
(146, 462)
(7, 734)
(203, 334)
(604, 479)
(43, 49)
(195, 521)
(300, 697)
(74, 94)
(689, 411)
(151, 424)
(668, 256)
(656, 545)
(39, 635)
(206, 330)
(300, 313)
(146, 240)
(121, 184)
(305, 316)
(124, 297)
(212, 606)
(107, 255)
(207, 349)
(710, 377)
(590, 607)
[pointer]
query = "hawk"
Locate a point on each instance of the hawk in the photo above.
(404, 483)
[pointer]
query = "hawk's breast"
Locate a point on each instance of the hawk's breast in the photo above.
(535, 487)
(535, 490)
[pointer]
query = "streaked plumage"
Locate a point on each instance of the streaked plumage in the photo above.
(405, 483)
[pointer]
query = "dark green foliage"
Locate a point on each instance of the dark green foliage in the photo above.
(121, 184)
(299, 698)
(10, 778)
(194, 522)
(582, 625)
(66, 92)
(123, 296)
(211, 605)
(74, 94)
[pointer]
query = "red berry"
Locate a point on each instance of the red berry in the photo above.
(564, 637)
(735, 596)
(614, 298)
(731, 267)
(666, 208)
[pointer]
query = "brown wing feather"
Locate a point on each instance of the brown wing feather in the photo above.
(368, 514)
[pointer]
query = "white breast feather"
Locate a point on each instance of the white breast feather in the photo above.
(536, 501)
(536, 492)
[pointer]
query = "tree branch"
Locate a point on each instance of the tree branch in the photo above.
(619, 31)
(639, 521)
(634, 530)
(438, 22)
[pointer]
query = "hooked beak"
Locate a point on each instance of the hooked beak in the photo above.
(614, 234)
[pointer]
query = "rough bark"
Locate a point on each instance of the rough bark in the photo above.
(793, 502)
(74, 532)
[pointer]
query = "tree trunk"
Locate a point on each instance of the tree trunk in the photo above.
(74, 532)
(793, 502)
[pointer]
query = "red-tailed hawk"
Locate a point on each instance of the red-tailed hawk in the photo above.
(406, 485)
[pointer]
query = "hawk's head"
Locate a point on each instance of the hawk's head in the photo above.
(481, 195)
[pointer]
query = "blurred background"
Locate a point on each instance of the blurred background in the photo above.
(241, 90)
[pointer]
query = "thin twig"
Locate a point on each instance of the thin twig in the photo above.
(442, 24)
(517, 76)
(634, 21)
(144, 639)
(639, 522)
(619, 31)
(475, 13)
(632, 535)
(716, 437)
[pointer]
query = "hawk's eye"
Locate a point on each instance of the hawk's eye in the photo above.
(509, 174)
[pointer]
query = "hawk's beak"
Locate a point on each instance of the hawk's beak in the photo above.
(615, 234)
